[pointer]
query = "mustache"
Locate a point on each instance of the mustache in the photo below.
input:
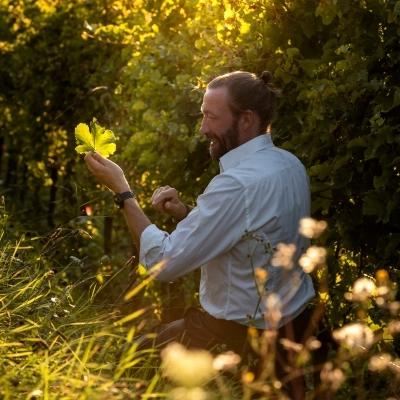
(211, 136)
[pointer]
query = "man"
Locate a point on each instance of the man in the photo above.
(255, 203)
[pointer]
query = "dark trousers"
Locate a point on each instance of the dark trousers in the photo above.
(198, 329)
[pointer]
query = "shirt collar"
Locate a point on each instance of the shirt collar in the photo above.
(235, 156)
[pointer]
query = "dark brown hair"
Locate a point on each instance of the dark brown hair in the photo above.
(247, 92)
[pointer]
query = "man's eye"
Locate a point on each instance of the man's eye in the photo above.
(211, 118)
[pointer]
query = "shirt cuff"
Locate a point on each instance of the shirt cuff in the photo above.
(151, 237)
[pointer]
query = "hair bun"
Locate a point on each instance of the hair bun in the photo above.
(266, 77)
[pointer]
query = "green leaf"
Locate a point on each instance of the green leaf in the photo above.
(309, 66)
(357, 142)
(252, 53)
(325, 13)
(97, 139)
(340, 162)
(237, 62)
(292, 51)
(139, 105)
(341, 179)
(380, 181)
(396, 161)
(394, 242)
(362, 76)
(321, 170)
(283, 75)
(308, 28)
(342, 65)
(374, 205)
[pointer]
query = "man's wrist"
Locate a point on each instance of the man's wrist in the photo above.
(185, 213)
(121, 188)
(119, 198)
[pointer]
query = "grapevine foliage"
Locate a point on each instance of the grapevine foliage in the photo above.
(97, 139)
(338, 63)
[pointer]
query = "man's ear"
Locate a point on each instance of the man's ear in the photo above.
(247, 120)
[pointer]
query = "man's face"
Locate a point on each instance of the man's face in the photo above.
(218, 125)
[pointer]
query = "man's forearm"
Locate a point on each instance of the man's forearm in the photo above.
(136, 220)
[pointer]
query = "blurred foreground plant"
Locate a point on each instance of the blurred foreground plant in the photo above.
(56, 342)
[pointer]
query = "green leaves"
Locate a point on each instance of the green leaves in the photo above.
(326, 13)
(97, 139)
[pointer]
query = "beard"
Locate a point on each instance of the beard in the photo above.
(221, 145)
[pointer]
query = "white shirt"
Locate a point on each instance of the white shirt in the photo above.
(262, 190)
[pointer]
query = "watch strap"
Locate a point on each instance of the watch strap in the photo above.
(119, 198)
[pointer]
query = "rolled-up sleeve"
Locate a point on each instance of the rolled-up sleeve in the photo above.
(214, 226)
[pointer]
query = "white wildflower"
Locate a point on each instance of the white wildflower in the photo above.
(188, 368)
(273, 310)
(383, 290)
(363, 288)
(313, 343)
(314, 257)
(182, 393)
(394, 307)
(227, 361)
(283, 257)
(289, 345)
(356, 336)
(35, 393)
(311, 228)
(334, 377)
(379, 362)
(393, 327)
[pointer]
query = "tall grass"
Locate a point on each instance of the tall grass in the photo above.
(57, 342)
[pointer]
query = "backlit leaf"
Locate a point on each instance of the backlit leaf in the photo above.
(97, 139)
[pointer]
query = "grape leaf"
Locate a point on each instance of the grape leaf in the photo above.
(97, 139)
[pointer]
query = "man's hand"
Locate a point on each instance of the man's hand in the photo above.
(166, 200)
(113, 177)
(107, 172)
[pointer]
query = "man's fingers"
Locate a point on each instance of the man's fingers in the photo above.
(165, 200)
(88, 158)
(99, 158)
(95, 158)
(171, 207)
(91, 160)
(162, 194)
(156, 193)
(166, 207)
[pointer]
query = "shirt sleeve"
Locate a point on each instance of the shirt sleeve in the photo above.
(213, 227)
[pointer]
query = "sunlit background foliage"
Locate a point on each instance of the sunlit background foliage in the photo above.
(140, 68)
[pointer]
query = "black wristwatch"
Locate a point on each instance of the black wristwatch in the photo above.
(119, 198)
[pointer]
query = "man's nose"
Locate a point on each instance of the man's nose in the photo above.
(204, 128)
